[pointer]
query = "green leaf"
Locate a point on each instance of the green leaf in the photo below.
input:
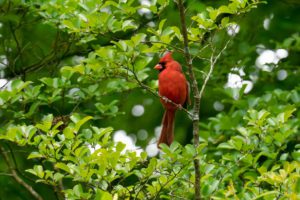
(296, 155)
(39, 171)
(120, 146)
(201, 146)
(237, 142)
(138, 38)
(225, 22)
(33, 108)
(81, 122)
(69, 132)
(177, 32)
(103, 195)
(225, 145)
(67, 72)
(52, 82)
(140, 63)
(77, 189)
(63, 166)
(33, 155)
(213, 14)
(190, 149)
(58, 176)
(128, 24)
(265, 194)
(161, 25)
(46, 123)
(18, 84)
(262, 115)
(243, 131)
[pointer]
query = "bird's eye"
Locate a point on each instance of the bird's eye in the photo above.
(163, 64)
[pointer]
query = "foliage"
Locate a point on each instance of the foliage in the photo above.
(97, 52)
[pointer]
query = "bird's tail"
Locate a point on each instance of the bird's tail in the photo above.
(167, 131)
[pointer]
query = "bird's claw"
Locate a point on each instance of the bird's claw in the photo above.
(179, 107)
(165, 99)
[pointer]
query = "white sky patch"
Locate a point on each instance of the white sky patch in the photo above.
(267, 22)
(72, 92)
(77, 59)
(138, 110)
(145, 11)
(282, 53)
(235, 81)
(151, 148)
(3, 82)
(121, 136)
(3, 62)
(151, 24)
(2, 74)
(93, 149)
(83, 17)
(282, 74)
(233, 29)
(249, 86)
(8, 85)
(218, 106)
(268, 57)
(106, 10)
(240, 70)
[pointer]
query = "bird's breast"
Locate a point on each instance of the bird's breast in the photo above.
(172, 85)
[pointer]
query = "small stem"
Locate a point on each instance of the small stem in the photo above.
(197, 98)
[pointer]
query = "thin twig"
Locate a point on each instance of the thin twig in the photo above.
(5, 174)
(169, 180)
(17, 178)
(213, 61)
(195, 90)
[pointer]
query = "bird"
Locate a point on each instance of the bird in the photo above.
(172, 86)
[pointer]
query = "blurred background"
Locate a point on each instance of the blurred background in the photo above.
(264, 55)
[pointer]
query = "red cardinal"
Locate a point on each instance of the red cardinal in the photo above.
(172, 85)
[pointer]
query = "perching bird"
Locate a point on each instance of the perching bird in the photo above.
(172, 85)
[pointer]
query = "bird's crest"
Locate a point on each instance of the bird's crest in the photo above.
(167, 57)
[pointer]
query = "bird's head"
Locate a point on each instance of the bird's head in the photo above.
(167, 62)
(167, 58)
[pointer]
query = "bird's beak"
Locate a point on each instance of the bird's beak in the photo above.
(158, 67)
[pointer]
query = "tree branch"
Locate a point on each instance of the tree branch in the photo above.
(196, 96)
(213, 61)
(17, 178)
